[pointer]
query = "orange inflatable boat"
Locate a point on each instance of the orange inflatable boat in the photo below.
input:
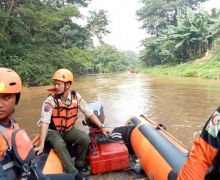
(161, 155)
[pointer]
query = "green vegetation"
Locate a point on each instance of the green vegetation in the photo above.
(206, 67)
(108, 59)
(180, 33)
(38, 37)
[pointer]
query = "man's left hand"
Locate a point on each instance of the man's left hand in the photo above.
(105, 131)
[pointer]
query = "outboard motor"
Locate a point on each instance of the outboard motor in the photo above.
(97, 107)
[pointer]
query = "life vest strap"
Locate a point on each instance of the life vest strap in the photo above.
(8, 165)
(23, 150)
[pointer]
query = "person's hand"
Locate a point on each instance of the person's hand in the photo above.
(105, 131)
(39, 149)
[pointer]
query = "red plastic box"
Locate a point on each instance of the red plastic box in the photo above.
(109, 157)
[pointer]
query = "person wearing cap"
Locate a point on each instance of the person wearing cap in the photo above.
(59, 113)
(16, 149)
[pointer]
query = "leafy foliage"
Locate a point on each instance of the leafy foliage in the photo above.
(109, 59)
(188, 36)
(97, 23)
(156, 15)
(38, 37)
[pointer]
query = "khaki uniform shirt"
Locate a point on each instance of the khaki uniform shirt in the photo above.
(49, 105)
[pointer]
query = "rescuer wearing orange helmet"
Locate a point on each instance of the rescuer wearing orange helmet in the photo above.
(16, 149)
(59, 113)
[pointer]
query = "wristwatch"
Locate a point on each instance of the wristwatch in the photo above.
(102, 126)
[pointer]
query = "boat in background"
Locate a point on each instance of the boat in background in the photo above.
(134, 70)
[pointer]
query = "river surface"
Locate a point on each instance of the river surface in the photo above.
(183, 105)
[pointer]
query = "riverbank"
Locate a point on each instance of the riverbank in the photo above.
(207, 67)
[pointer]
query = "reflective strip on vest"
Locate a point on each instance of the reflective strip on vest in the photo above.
(8, 165)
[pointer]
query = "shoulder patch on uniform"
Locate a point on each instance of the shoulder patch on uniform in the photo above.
(214, 124)
(47, 107)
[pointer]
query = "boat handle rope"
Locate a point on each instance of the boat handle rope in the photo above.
(164, 130)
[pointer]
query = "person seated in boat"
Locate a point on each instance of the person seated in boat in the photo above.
(59, 113)
(203, 161)
(16, 149)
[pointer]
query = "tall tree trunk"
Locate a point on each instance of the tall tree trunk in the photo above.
(175, 17)
(8, 15)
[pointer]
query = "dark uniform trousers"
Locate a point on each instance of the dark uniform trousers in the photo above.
(73, 136)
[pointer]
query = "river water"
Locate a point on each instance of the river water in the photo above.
(182, 104)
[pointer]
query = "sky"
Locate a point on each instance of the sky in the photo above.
(126, 33)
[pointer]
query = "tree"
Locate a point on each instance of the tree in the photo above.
(192, 36)
(109, 59)
(38, 37)
(34, 36)
(82, 60)
(59, 3)
(132, 59)
(97, 23)
(188, 40)
(156, 15)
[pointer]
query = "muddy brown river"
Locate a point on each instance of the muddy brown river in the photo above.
(182, 104)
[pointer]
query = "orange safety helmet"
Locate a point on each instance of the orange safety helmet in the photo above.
(10, 81)
(64, 75)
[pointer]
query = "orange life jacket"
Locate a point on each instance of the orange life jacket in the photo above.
(64, 116)
(204, 151)
(18, 159)
(200, 159)
(6, 138)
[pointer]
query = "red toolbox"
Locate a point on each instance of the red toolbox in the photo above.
(109, 157)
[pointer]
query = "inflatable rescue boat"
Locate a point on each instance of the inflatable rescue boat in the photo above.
(159, 154)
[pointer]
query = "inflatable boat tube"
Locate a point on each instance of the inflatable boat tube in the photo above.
(160, 154)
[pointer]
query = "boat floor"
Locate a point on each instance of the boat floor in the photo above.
(119, 175)
(127, 174)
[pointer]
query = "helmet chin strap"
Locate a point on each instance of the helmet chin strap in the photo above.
(65, 89)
